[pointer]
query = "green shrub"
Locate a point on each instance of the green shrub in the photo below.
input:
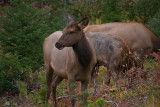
(101, 103)
(84, 96)
(22, 31)
(3, 101)
(90, 105)
(111, 11)
(142, 10)
(22, 89)
(42, 94)
(10, 73)
(41, 77)
(154, 24)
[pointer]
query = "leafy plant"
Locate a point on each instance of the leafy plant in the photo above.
(90, 105)
(72, 85)
(101, 103)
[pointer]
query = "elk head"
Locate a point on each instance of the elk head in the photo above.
(72, 33)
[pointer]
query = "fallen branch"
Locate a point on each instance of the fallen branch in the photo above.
(61, 97)
(133, 104)
(113, 102)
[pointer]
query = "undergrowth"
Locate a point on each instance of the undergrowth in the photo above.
(145, 91)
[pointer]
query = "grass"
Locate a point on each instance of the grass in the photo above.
(144, 92)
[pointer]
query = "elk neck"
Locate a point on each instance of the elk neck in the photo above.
(83, 51)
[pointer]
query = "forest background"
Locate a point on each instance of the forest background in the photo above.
(24, 24)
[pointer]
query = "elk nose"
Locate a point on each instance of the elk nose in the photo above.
(58, 45)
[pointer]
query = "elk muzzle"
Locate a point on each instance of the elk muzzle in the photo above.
(59, 46)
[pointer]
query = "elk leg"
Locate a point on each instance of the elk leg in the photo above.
(56, 80)
(71, 85)
(84, 85)
(115, 78)
(113, 72)
(94, 76)
(49, 75)
(130, 80)
(108, 77)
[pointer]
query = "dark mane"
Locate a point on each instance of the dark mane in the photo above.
(83, 52)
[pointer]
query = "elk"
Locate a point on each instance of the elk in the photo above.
(138, 38)
(111, 52)
(71, 56)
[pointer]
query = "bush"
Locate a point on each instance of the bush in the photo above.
(143, 10)
(154, 24)
(22, 32)
(23, 89)
(101, 103)
(111, 11)
(10, 72)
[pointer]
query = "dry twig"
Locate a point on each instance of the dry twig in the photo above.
(61, 97)
(113, 102)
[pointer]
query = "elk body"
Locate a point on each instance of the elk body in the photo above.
(111, 52)
(138, 38)
(74, 62)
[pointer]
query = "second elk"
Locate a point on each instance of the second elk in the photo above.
(113, 53)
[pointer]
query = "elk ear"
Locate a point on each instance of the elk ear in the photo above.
(83, 23)
(68, 17)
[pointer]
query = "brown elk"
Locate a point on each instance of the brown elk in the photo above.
(138, 38)
(74, 62)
